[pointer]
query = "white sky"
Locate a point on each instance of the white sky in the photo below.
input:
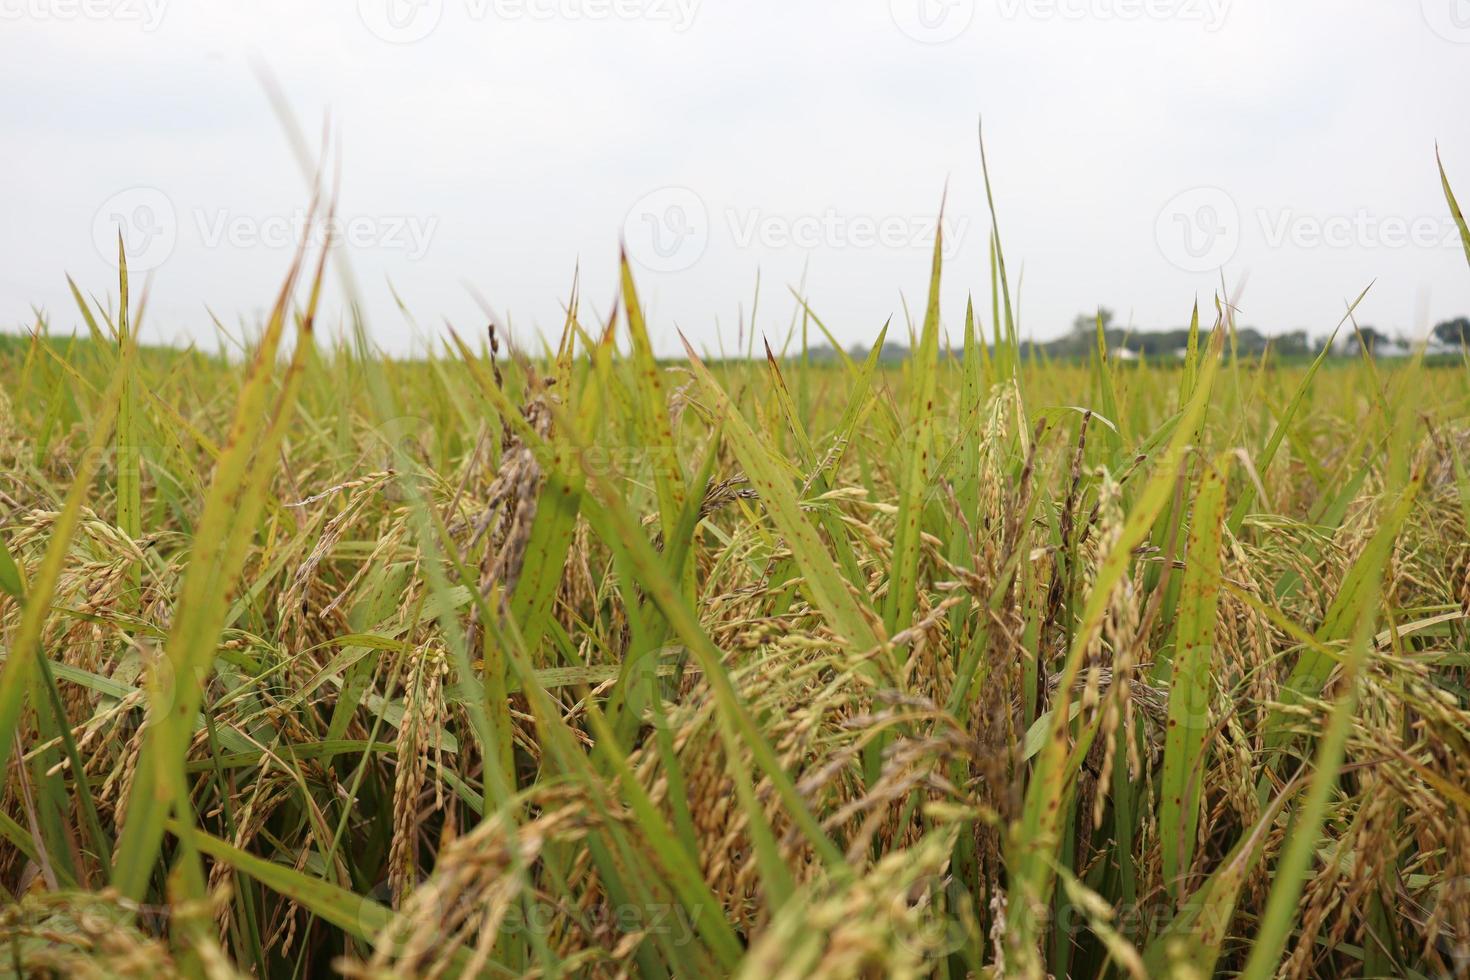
(1136, 147)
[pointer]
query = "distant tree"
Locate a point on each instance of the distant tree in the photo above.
(1369, 337)
(1453, 333)
(1293, 342)
(1085, 324)
(1249, 340)
(1159, 343)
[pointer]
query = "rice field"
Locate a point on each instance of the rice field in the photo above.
(571, 661)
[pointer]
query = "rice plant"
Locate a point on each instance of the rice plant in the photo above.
(569, 660)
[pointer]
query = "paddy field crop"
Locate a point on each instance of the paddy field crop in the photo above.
(571, 660)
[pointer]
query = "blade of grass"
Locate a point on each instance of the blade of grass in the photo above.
(1455, 212)
(1302, 841)
(220, 548)
(918, 456)
(129, 492)
(1192, 679)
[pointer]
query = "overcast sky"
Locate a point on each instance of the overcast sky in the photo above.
(1138, 150)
